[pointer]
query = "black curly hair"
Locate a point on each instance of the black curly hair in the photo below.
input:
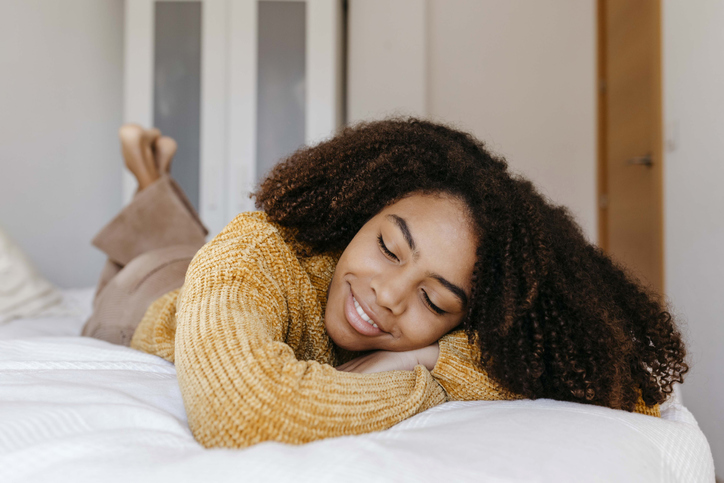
(552, 315)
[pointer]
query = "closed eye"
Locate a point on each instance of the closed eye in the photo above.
(384, 248)
(432, 306)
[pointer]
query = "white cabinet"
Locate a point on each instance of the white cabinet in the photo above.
(238, 83)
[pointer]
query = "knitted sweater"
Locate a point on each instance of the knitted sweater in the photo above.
(254, 361)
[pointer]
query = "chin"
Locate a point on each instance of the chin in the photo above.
(341, 339)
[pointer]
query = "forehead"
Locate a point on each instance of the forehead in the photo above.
(437, 210)
(442, 230)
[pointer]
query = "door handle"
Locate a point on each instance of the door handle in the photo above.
(640, 161)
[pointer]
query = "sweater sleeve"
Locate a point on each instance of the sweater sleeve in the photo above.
(458, 374)
(462, 380)
(242, 385)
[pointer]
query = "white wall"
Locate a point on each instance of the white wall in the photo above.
(60, 108)
(519, 75)
(693, 63)
(387, 59)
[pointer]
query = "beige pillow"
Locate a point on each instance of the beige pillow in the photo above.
(23, 291)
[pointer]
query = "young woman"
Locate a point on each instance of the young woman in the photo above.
(392, 268)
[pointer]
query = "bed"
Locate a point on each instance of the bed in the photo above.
(77, 409)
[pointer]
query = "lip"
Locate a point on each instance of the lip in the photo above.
(357, 322)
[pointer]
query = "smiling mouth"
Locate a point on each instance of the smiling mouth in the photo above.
(358, 319)
(362, 313)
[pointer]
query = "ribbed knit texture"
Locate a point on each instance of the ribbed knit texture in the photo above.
(254, 361)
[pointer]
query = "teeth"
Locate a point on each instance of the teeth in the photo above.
(362, 313)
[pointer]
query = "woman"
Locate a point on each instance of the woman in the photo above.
(406, 256)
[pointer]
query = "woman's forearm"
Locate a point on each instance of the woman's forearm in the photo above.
(427, 356)
(380, 361)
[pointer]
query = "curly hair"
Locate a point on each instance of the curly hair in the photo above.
(551, 314)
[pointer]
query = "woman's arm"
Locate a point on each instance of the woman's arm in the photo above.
(459, 375)
(379, 361)
(463, 380)
(242, 385)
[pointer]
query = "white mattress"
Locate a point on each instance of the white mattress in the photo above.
(77, 409)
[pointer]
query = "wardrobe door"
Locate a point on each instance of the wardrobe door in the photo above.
(176, 69)
(285, 85)
(280, 82)
(240, 84)
(177, 87)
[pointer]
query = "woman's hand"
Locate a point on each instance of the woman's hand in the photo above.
(380, 361)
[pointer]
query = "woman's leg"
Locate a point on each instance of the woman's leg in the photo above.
(135, 142)
(149, 244)
(123, 302)
(157, 217)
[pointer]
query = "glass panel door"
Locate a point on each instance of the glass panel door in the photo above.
(240, 84)
(281, 82)
(177, 87)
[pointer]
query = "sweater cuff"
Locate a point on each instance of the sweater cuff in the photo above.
(457, 372)
(642, 408)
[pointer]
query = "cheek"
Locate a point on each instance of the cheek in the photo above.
(362, 263)
(336, 296)
(427, 328)
(422, 329)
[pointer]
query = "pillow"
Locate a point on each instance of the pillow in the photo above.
(23, 291)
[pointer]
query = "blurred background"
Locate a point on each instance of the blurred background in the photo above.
(614, 108)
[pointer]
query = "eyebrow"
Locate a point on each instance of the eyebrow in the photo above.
(459, 293)
(407, 235)
(402, 224)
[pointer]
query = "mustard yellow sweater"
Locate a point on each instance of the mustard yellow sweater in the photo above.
(254, 361)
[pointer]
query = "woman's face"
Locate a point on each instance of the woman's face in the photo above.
(404, 280)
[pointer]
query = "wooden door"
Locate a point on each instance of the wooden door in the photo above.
(630, 137)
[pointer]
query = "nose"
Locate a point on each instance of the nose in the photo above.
(391, 292)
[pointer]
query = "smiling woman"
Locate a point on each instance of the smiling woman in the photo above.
(402, 282)
(394, 267)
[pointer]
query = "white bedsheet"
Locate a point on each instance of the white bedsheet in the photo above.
(77, 409)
